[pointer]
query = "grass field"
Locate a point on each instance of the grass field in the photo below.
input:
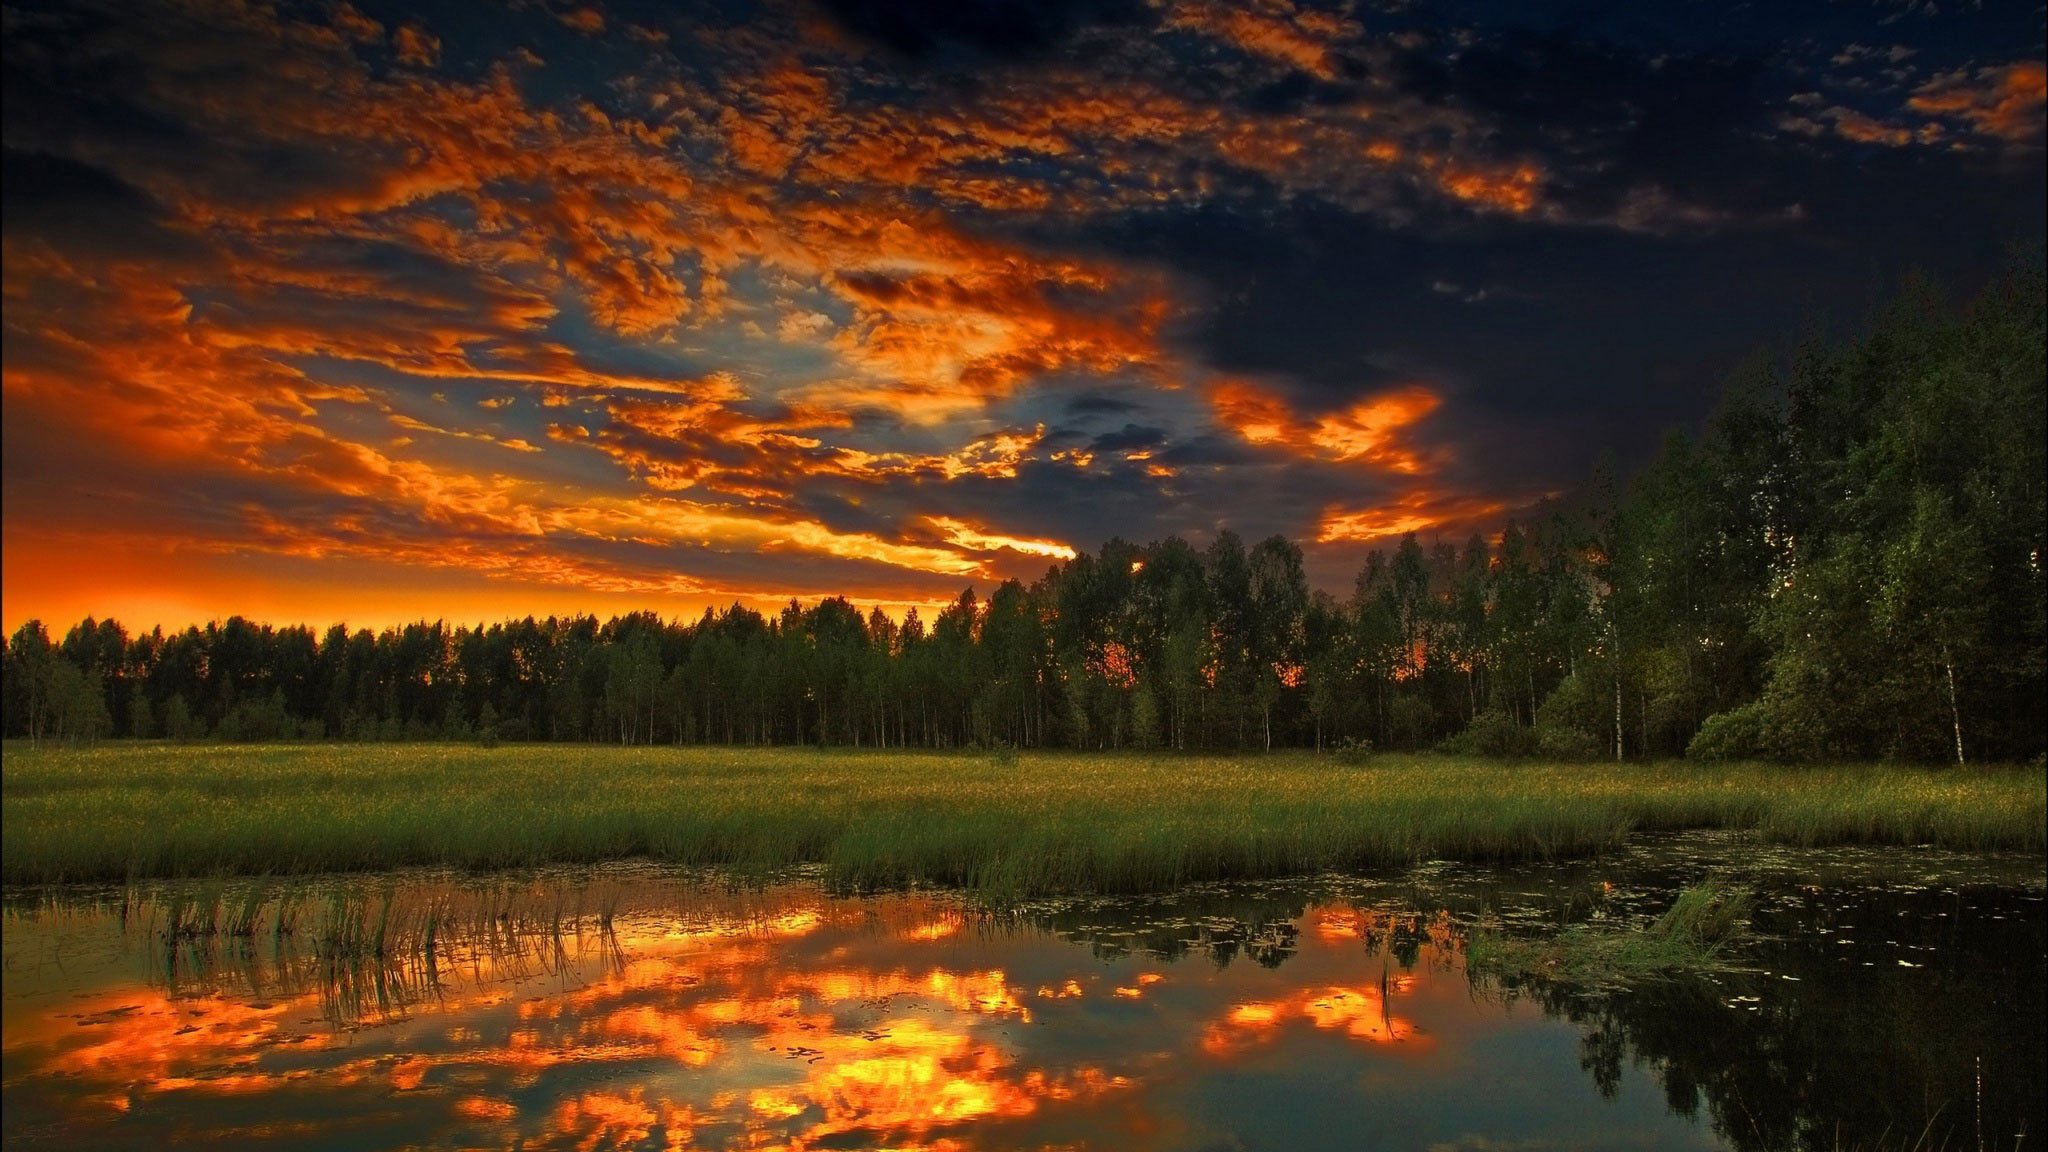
(1008, 827)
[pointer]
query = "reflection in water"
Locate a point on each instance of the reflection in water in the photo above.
(629, 1010)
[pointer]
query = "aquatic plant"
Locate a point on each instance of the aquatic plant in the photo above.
(1695, 935)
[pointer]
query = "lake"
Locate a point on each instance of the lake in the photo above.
(1890, 998)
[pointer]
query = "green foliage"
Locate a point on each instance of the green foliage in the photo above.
(1573, 719)
(1494, 733)
(1570, 746)
(259, 720)
(487, 726)
(1905, 615)
(1737, 734)
(178, 722)
(1410, 724)
(77, 703)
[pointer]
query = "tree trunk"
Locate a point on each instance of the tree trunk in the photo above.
(1955, 713)
(1617, 691)
(1617, 713)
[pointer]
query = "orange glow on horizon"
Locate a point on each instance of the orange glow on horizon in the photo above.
(144, 587)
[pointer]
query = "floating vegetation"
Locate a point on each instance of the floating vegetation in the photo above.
(1698, 934)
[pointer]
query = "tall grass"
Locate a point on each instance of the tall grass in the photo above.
(1039, 823)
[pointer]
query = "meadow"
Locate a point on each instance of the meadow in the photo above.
(1007, 826)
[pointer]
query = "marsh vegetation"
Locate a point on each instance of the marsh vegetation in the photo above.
(1006, 826)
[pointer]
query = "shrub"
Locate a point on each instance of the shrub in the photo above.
(1760, 730)
(1570, 744)
(1571, 724)
(1736, 734)
(1354, 750)
(1493, 733)
(1411, 722)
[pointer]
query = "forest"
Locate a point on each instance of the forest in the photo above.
(1844, 563)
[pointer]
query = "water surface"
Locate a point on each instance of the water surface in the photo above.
(1894, 997)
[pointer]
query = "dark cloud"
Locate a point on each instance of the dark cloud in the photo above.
(61, 202)
(1099, 404)
(1129, 437)
(934, 30)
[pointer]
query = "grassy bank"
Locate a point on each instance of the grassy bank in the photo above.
(1030, 824)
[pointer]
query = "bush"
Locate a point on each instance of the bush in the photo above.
(1736, 734)
(179, 723)
(1411, 722)
(1571, 724)
(1493, 733)
(1576, 703)
(258, 721)
(1760, 730)
(1569, 744)
(1354, 750)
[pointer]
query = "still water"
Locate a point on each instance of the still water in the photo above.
(1892, 999)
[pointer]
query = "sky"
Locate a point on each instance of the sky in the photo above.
(371, 313)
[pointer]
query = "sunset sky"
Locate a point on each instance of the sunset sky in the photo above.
(377, 312)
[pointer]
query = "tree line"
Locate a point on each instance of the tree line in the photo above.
(1845, 562)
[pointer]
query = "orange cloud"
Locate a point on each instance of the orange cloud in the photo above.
(1512, 189)
(1271, 29)
(966, 536)
(2006, 102)
(1370, 431)
(416, 46)
(588, 21)
(1416, 511)
(671, 521)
